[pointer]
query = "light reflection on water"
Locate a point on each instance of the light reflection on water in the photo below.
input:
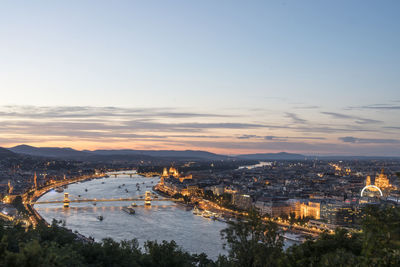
(164, 220)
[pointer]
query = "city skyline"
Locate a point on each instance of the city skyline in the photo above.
(304, 77)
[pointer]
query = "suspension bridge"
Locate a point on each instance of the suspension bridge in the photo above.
(148, 197)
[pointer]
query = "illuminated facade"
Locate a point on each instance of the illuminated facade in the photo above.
(382, 181)
(173, 172)
(368, 181)
(312, 209)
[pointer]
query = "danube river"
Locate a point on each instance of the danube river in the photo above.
(164, 220)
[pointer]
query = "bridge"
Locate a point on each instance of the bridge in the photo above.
(116, 174)
(147, 198)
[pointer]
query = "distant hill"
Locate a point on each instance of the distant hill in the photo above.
(128, 154)
(52, 152)
(195, 154)
(273, 156)
(5, 153)
(138, 155)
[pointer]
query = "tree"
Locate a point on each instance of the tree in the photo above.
(252, 242)
(381, 232)
(339, 249)
(378, 244)
(166, 254)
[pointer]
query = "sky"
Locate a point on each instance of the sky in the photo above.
(231, 77)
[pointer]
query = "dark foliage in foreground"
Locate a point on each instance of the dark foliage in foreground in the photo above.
(250, 243)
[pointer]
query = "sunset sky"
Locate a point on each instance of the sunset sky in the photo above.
(312, 77)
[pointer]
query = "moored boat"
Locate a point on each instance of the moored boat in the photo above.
(129, 210)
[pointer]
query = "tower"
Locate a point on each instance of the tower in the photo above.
(382, 181)
(147, 198)
(368, 181)
(35, 180)
(66, 200)
(10, 187)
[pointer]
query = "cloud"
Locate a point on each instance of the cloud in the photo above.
(392, 127)
(307, 107)
(279, 138)
(295, 118)
(354, 140)
(377, 107)
(159, 127)
(248, 136)
(66, 112)
(359, 120)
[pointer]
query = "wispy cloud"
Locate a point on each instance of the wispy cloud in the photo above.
(357, 119)
(78, 126)
(279, 138)
(351, 139)
(90, 112)
(295, 118)
(307, 107)
(377, 107)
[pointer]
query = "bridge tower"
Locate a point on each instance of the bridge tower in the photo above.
(147, 198)
(66, 200)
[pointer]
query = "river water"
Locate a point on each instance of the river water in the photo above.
(164, 220)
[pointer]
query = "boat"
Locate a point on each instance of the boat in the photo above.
(133, 204)
(129, 210)
(100, 218)
(94, 203)
(86, 190)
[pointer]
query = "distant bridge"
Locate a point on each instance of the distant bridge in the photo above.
(116, 174)
(103, 200)
(148, 197)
